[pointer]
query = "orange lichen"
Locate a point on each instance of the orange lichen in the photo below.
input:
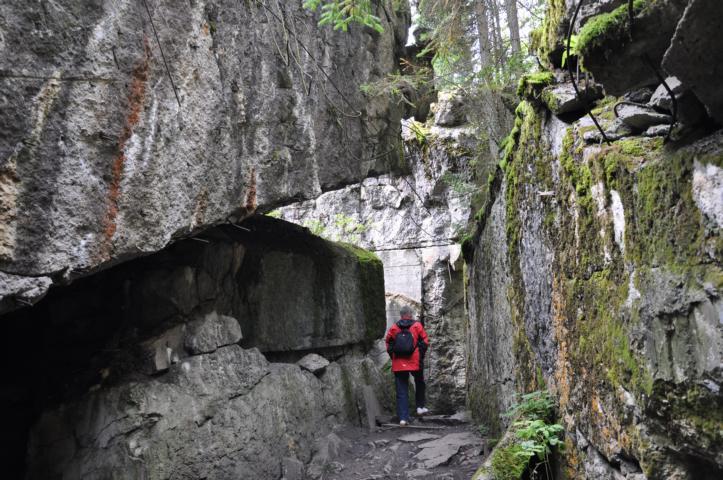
(563, 372)
(199, 213)
(251, 192)
(136, 97)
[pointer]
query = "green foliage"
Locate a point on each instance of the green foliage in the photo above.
(399, 86)
(315, 226)
(350, 229)
(538, 437)
(452, 35)
(533, 440)
(274, 213)
(535, 405)
(421, 133)
(573, 49)
(340, 13)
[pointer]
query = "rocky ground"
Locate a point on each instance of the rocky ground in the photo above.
(440, 448)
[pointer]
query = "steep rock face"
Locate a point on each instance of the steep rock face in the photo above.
(613, 264)
(696, 44)
(607, 289)
(154, 368)
(226, 414)
(492, 367)
(413, 222)
(126, 124)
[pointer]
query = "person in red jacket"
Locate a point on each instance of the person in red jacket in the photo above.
(405, 335)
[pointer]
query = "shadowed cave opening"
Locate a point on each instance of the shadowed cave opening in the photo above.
(273, 277)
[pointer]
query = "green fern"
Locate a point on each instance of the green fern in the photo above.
(340, 13)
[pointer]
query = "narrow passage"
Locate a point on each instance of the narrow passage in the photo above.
(434, 447)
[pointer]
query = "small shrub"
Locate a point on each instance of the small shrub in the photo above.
(534, 439)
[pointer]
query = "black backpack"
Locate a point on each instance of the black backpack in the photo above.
(404, 343)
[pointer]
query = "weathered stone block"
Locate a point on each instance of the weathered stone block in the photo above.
(641, 118)
(313, 363)
(212, 331)
(696, 54)
(110, 151)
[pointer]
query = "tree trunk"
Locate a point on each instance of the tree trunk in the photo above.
(483, 34)
(513, 24)
(499, 47)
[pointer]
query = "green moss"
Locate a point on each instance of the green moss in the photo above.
(371, 273)
(693, 411)
(608, 28)
(605, 110)
(605, 337)
(550, 100)
(484, 407)
(549, 42)
(348, 392)
(467, 241)
(708, 159)
(509, 463)
(639, 146)
(482, 472)
(667, 229)
(530, 85)
(364, 256)
(528, 125)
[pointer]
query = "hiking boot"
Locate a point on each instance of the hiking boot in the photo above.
(422, 410)
(402, 423)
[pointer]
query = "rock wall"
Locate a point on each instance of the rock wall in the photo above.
(156, 368)
(414, 222)
(595, 270)
(127, 124)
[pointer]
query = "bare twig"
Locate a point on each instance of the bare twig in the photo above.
(163, 56)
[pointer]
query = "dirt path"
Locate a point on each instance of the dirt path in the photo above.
(447, 450)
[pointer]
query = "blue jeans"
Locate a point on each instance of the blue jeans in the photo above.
(401, 380)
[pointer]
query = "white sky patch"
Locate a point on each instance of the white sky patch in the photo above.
(411, 40)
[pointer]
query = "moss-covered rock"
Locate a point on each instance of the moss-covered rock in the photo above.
(530, 85)
(547, 41)
(371, 285)
(613, 51)
(631, 257)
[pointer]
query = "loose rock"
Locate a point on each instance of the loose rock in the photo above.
(661, 98)
(313, 363)
(212, 331)
(418, 437)
(640, 118)
(561, 98)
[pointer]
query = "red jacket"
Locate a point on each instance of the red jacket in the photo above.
(407, 364)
